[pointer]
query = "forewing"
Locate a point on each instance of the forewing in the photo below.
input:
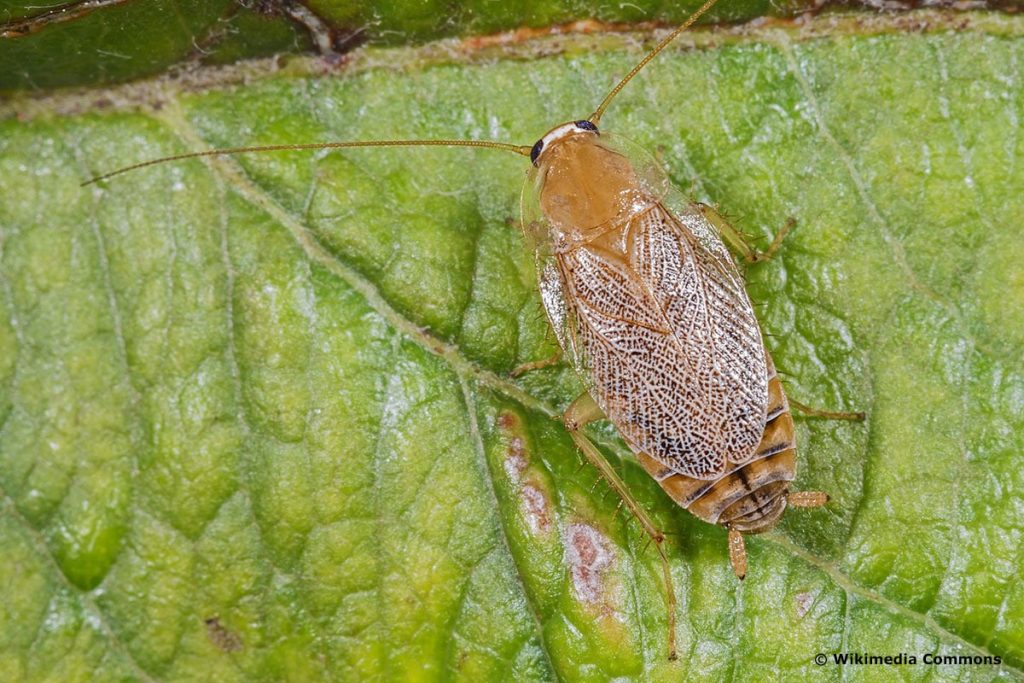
(552, 295)
(667, 341)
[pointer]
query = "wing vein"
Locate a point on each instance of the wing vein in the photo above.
(666, 340)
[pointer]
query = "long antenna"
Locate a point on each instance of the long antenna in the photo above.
(517, 149)
(596, 116)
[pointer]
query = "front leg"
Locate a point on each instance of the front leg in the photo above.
(735, 240)
(583, 411)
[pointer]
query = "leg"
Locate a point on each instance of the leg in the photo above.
(532, 365)
(806, 499)
(737, 554)
(738, 548)
(826, 414)
(737, 242)
(582, 411)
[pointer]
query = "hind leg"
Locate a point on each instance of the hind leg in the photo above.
(806, 499)
(737, 553)
(826, 414)
(583, 411)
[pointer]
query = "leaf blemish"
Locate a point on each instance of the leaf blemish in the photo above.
(535, 509)
(221, 637)
(508, 421)
(533, 501)
(588, 555)
(803, 603)
(516, 459)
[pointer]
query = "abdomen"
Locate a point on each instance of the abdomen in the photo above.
(749, 497)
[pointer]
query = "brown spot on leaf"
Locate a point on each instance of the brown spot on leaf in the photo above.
(535, 508)
(515, 458)
(803, 603)
(588, 555)
(508, 421)
(221, 637)
(532, 497)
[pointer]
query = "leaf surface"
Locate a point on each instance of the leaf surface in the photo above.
(257, 422)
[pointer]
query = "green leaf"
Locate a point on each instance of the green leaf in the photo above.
(108, 45)
(110, 41)
(256, 416)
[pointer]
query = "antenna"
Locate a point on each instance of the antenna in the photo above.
(596, 116)
(516, 149)
(522, 150)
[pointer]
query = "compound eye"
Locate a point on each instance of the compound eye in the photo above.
(535, 152)
(586, 125)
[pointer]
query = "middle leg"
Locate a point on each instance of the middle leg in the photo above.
(827, 414)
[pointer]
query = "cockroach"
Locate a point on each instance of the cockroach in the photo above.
(651, 310)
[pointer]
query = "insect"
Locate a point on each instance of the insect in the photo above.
(650, 308)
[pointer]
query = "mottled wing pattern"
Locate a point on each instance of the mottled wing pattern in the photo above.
(666, 338)
(552, 295)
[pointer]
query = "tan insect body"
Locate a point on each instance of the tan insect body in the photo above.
(651, 310)
(657, 319)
